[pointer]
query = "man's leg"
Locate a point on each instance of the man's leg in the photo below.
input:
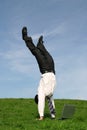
(29, 42)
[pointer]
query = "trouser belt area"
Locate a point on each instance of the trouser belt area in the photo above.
(46, 71)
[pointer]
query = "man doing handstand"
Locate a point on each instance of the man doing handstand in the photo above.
(47, 69)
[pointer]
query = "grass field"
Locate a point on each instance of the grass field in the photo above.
(21, 114)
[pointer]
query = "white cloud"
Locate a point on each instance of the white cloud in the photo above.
(18, 60)
(59, 29)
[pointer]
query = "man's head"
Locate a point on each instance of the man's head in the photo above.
(36, 99)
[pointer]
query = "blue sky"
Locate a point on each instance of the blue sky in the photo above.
(63, 23)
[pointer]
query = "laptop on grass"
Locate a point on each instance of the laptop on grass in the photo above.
(67, 112)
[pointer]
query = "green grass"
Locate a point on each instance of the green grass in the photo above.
(21, 114)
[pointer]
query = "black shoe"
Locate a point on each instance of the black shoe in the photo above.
(40, 40)
(24, 33)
